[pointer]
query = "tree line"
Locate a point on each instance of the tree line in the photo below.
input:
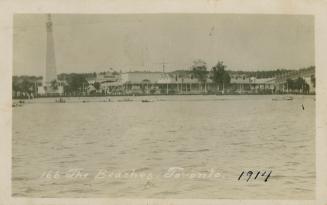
(218, 73)
(299, 85)
(26, 85)
(73, 84)
(77, 83)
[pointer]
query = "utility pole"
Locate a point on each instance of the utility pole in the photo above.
(83, 90)
(163, 67)
(35, 89)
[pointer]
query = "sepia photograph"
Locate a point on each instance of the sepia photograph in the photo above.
(164, 106)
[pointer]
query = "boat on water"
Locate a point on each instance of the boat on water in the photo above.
(284, 98)
(17, 104)
(146, 100)
(125, 100)
(60, 100)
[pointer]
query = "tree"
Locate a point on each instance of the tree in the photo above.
(97, 85)
(290, 84)
(15, 85)
(313, 80)
(54, 84)
(75, 83)
(27, 86)
(199, 71)
(219, 76)
(301, 84)
(297, 85)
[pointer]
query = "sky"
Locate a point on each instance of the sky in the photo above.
(142, 42)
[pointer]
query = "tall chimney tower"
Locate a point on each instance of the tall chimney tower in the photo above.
(50, 64)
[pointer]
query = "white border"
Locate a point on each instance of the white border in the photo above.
(312, 7)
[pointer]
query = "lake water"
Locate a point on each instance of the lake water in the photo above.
(164, 148)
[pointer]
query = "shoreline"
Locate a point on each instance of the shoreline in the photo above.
(154, 95)
(144, 98)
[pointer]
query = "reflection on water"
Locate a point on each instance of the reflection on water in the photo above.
(200, 134)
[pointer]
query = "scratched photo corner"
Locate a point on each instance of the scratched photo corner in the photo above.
(180, 106)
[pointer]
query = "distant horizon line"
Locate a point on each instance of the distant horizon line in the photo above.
(147, 71)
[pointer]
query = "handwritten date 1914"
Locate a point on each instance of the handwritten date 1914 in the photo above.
(255, 175)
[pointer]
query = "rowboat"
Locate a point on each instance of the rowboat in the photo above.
(284, 98)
